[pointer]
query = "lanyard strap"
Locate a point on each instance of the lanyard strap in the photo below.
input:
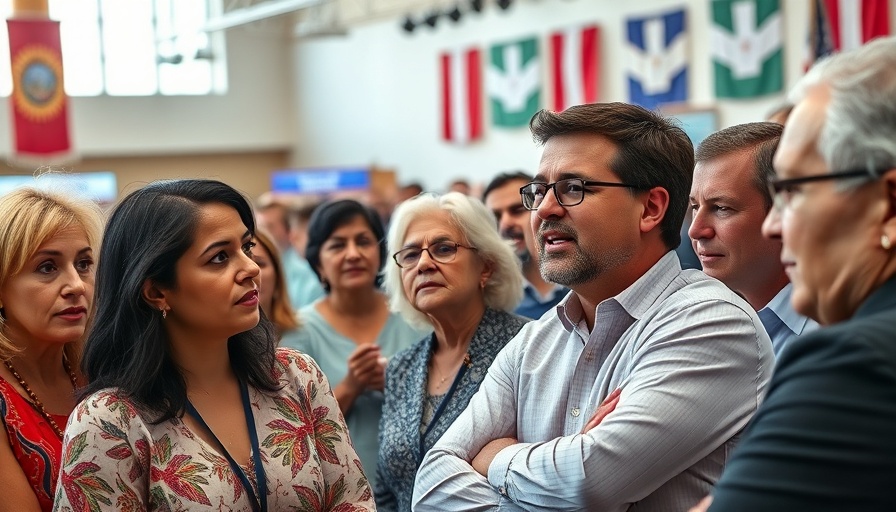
(441, 408)
(259, 502)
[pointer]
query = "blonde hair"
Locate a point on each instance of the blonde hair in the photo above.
(281, 313)
(31, 217)
(478, 226)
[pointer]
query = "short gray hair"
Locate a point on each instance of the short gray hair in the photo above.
(479, 228)
(859, 131)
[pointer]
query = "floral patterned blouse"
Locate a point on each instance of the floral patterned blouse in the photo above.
(402, 446)
(113, 458)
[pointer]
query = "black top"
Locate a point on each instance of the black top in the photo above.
(825, 437)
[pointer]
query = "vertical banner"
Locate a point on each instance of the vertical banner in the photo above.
(514, 82)
(461, 95)
(657, 60)
(39, 104)
(575, 62)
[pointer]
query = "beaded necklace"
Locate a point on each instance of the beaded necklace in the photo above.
(37, 403)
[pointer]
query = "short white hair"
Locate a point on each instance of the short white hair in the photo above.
(859, 131)
(479, 228)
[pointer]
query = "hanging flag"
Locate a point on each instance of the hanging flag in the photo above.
(855, 22)
(746, 48)
(461, 95)
(820, 43)
(514, 82)
(657, 59)
(574, 66)
(38, 101)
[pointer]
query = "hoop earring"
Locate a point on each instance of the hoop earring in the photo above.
(885, 242)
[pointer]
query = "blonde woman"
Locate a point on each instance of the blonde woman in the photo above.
(48, 246)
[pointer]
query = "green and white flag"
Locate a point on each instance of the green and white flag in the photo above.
(514, 82)
(745, 42)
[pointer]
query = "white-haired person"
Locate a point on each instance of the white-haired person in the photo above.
(823, 439)
(453, 273)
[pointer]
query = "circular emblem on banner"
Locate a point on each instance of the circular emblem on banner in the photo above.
(37, 72)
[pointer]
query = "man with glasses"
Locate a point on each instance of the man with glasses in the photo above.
(729, 201)
(633, 392)
(502, 197)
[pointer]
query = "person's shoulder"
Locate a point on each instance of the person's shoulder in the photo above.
(692, 287)
(867, 338)
(415, 351)
(292, 361)
(109, 404)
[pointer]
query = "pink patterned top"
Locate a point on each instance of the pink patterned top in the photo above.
(114, 459)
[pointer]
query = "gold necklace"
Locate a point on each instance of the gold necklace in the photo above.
(34, 400)
(466, 361)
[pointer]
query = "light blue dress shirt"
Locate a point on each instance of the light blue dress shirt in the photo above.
(781, 322)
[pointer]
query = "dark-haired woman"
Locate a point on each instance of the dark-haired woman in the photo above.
(189, 406)
(350, 332)
(47, 253)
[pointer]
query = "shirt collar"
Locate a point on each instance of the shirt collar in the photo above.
(780, 305)
(636, 300)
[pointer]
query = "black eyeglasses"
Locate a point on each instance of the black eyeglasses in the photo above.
(443, 252)
(782, 190)
(569, 192)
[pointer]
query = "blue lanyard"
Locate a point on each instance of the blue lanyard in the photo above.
(261, 504)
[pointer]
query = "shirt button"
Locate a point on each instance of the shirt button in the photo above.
(575, 412)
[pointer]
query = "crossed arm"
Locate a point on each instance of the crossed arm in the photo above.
(685, 395)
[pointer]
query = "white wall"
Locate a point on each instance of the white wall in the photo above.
(255, 113)
(373, 97)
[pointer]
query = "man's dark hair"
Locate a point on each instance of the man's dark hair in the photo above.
(128, 346)
(653, 152)
(761, 139)
(502, 179)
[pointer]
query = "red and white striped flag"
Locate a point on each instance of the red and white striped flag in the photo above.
(574, 66)
(855, 22)
(461, 95)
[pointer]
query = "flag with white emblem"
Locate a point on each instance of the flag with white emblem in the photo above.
(657, 59)
(514, 82)
(746, 48)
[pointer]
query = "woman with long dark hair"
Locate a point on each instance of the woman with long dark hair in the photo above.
(189, 405)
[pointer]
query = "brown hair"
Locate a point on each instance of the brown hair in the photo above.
(653, 152)
(759, 138)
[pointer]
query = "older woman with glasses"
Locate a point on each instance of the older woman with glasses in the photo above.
(452, 273)
(823, 439)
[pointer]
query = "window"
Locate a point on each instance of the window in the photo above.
(132, 47)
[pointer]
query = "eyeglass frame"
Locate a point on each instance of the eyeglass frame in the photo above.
(777, 186)
(421, 249)
(585, 183)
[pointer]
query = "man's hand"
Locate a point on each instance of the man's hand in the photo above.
(605, 408)
(484, 458)
(703, 506)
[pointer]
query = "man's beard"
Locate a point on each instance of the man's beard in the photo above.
(576, 268)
